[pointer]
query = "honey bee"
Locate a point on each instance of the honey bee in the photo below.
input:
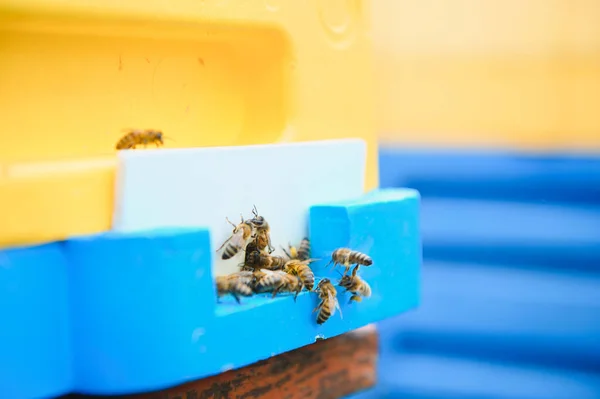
(238, 238)
(358, 287)
(301, 269)
(348, 257)
(135, 137)
(236, 284)
(329, 303)
(254, 259)
(263, 229)
(300, 253)
(277, 281)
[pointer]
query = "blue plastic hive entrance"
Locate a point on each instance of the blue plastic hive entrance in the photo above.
(136, 310)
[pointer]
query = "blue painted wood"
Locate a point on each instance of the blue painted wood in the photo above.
(145, 314)
(492, 174)
(35, 356)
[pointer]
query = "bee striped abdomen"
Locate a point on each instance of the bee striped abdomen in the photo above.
(277, 262)
(268, 282)
(241, 288)
(356, 257)
(230, 251)
(126, 141)
(307, 276)
(303, 252)
(324, 314)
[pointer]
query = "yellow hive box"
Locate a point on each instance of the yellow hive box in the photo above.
(74, 74)
(498, 73)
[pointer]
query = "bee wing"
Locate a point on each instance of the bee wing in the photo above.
(333, 299)
(237, 239)
(267, 271)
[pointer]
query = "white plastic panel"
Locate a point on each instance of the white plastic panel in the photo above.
(201, 186)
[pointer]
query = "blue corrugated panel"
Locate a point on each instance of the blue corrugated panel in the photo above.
(503, 232)
(511, 297)
(145, 314)
(504, 313)
(491, 174)
(435, 376)
(35, 358)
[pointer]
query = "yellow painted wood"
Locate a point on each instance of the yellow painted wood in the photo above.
(206, 72)
(508, 73)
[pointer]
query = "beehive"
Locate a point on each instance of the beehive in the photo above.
(207, 73)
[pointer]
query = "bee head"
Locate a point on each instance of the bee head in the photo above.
(323, 281)
(258, 221)
(253, 257)
(344, 280)
(159, 137)
(251, 248)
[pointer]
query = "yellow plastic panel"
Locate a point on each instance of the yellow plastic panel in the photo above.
(45, 202)
(510, 73)
(206, 72)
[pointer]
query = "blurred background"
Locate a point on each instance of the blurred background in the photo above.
(492, 110)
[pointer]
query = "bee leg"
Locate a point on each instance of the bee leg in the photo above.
(276, 291)
(237, 298)
(297, 292)
(286, 253)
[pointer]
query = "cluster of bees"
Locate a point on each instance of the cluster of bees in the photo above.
(135, 137)
(262, 272)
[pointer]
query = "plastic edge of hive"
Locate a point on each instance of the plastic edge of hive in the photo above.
(143, 312)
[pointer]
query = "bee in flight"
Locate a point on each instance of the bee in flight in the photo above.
(328, 301)
(135, 137)
(301, 269)
(238, 238)
(347, 257)
(300, 253)
(263, 231)
(276, 282)
(236, 284)
(358, 287)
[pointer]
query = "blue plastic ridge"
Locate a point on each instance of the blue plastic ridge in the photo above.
(143, 311)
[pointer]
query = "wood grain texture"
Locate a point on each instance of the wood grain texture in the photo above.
(327, 369)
